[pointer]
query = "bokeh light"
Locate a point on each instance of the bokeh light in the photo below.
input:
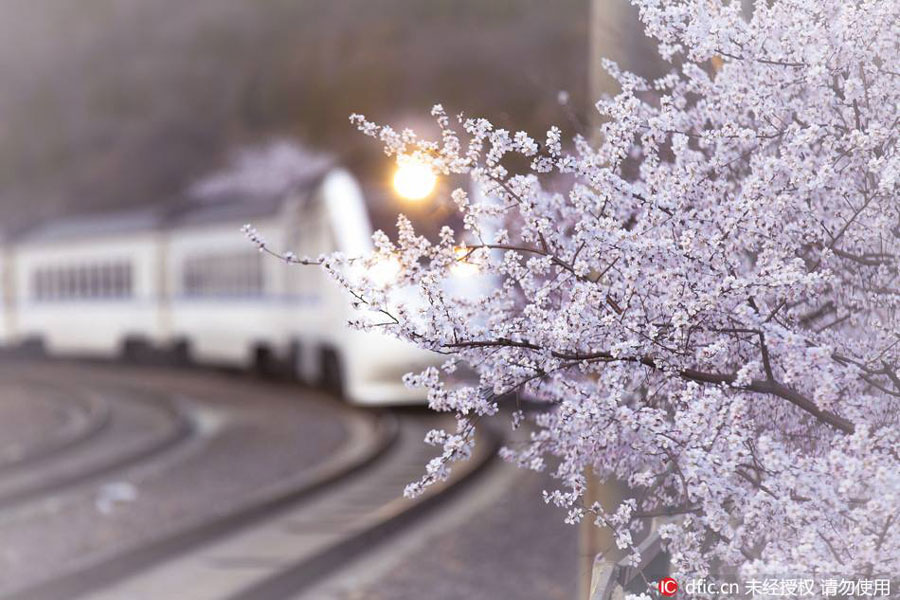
(414, 180)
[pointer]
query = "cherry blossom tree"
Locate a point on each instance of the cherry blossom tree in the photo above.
(704, 299)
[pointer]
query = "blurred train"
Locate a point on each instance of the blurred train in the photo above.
(185, 283)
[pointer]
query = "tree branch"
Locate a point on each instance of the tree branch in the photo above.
(768, 386)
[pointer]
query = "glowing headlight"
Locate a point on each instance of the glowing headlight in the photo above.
(414, 180)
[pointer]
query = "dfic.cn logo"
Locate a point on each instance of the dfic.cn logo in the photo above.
(668, 586)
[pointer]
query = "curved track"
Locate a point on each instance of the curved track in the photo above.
(136, 427)
(81, 419)
(333, 531)
(357, 455)
(280, 539)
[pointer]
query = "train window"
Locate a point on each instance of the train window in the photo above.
(82, 283)
(103, 280)
(45, 283)
(92, 276)
(71, 285)
(65, 290)
(86, 281)
(229, 275)
(195, 275)
(37, 284)
(118, 281)
(129, 285)
(122, 280)
(58, 284)
(53, 283)
(97, 280)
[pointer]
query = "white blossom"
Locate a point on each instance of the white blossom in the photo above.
(706, 299)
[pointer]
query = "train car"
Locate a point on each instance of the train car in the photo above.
(365, 365)
(87, 285)
(186, 283)
(233, 305)
(226, 300)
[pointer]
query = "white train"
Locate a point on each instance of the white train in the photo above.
(188, 282)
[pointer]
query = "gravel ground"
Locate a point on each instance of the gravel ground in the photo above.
(253, 438)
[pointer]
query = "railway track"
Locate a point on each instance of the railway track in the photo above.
(85, 417)
(282, 544)
(135, 427)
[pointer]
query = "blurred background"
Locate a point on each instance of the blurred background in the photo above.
(181, 417)
(110, 103)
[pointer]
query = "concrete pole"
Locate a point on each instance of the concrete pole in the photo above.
(616, 34)
(593, 539)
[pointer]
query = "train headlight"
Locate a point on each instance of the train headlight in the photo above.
(414, 180)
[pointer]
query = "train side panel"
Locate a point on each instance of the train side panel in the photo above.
(196, 284)
(226, 297)
(87, 296)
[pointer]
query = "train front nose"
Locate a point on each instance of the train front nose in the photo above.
(376, 366)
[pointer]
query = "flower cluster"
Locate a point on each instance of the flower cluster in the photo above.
(705, 297)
